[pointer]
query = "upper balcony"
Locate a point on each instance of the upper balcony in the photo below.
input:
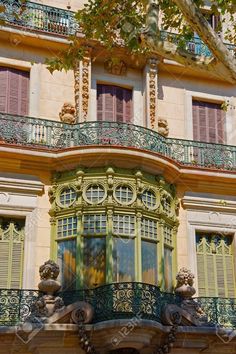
(53, 136)
(35, 17)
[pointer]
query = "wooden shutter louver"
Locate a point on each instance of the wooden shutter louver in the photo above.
(208, 122)
(114, 103)
(11, 254)
(14, 91)
(215, 266)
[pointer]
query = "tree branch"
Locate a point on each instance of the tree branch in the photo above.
(197, 21)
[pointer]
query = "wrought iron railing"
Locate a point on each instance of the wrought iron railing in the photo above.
(195, 46)
(42, 133)
(117, 301)
(39, 17)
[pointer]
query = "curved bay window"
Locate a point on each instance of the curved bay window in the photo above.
(112, 226)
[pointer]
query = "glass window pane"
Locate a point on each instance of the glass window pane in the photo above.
(149, 198)
(66, 260)
(95, 224)
(67, 227)
(95, 193)
(149, 228)
(124, 194)
(123, 260)
(168, 268)
(124, 225)
(67, 196)
(149, 262)
(94, 261)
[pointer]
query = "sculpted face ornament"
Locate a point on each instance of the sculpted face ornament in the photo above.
(185, 280)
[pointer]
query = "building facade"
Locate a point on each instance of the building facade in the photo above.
(140, 186)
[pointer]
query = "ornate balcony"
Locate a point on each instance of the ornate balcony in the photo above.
(37, 17)
(51, 135)
(117, 301)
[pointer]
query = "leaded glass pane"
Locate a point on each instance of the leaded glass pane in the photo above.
(94, 261)
(123, 260)
(67, 196)
(149, 198)
(66, 258)
(124, 194)
(67, 227)
(95, 224)
(149, 228)
(123, 224)
(95, 193)
(149, 262)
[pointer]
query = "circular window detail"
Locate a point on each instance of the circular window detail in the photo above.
(67, 197)
(149, 199)
(95, 194)
(124, 194)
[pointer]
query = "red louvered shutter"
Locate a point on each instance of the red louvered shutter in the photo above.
(208, 122)
(14, 91)
(3, 90)
(108, 103)
(114, 103)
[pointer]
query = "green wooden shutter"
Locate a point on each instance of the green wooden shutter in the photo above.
(11, 254)
(215, 266)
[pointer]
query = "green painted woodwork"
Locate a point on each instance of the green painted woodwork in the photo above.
(106, 202)
(215, 264)
(41, 133)
(11, 253)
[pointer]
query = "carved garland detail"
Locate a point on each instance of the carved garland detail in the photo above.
(152, 91)
(85, 85)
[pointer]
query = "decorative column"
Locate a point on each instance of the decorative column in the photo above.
(151, 74)
(86, 84)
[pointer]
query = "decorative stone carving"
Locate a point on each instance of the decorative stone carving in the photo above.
(153, 89)
(185, 280)
(189, 312)
(86, 83)
(115, 66)
(163, 128)
(49, 303)
(67, 114)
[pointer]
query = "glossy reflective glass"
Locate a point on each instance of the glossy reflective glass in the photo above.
(123, 260)
(66, 259)
(149, 262)
(94, 261)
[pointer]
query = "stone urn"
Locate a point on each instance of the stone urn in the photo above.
(184, 287)
(49, 303)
